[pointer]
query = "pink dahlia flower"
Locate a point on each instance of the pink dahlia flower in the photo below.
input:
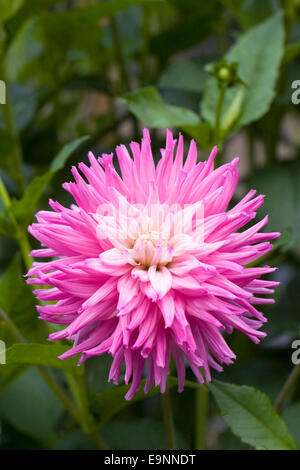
(153, 264)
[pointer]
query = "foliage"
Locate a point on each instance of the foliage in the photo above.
(104, 69)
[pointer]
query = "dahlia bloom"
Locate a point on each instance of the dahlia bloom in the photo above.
(153, 264)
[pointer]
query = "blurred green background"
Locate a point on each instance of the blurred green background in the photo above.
(87, 74)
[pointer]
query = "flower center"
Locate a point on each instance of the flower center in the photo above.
(152, 248)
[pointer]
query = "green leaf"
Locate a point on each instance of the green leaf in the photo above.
(108, 403)
(185, 75)
(228, 441)
(147, 105)
(42, 355)
(24, 208)
(17, 301)
(258, 67)
(250, 415)
(202, 133)
(61, 158)
(30, 406)
(13, 288)
(8, 8)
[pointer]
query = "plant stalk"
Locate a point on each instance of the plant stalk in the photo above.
(16, 153)
(217, 136)
(20, 235)
(168, 420)
(145, 44)
(287, 387)
(201, 399)
(79, 392)
(126, 86)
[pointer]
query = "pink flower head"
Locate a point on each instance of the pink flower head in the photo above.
(153, 264)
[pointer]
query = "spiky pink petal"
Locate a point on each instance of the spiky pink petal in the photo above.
(152, 265)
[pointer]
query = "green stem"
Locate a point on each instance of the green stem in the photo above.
(73, 385)
(217, 137)
(25, 249)
(168, 420)
(145, 44)
(61, 395)
(14, 330)
(201, 415)
(79, 392)
(287, 387)
(251, 148)
(219, 113)
(4, 194)
(97, 439)
(20, 235)
(126, 86)
(16, 153)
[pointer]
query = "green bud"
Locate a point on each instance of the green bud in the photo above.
(224, 74)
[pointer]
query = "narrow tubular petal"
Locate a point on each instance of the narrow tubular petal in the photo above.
(161, 280)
